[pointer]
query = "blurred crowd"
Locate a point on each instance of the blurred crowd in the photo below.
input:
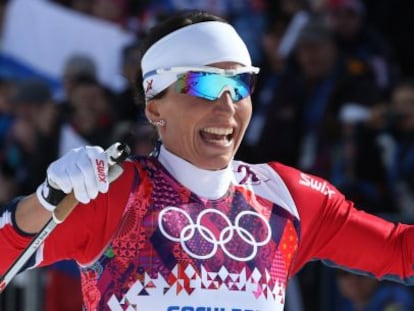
(335, 98)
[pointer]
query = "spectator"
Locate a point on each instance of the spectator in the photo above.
(361, 293)
(30, 144)
(7, 87)
(302, 126)
(76, 65)
(131, 125)
(383, 134)
(126, 103)
(399, 120)
(90, 118)
(361, 42)
(359, 169)
(272, 70)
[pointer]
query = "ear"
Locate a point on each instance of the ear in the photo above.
(151, 110)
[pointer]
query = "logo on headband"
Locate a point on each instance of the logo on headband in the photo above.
(149, 86)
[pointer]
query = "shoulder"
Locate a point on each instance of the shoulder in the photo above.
(266, 181)
(284, 179)
(140, 163)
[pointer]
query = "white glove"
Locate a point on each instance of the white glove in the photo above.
(83, 170)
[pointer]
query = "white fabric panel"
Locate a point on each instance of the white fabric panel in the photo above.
(43, 35)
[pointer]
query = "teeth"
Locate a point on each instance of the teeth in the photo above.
(218, 131)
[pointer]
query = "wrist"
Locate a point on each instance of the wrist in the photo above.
(49, 196)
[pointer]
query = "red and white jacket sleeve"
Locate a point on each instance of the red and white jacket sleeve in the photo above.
(334, 231)
(82, 236)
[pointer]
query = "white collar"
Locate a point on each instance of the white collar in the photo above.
(205, 183)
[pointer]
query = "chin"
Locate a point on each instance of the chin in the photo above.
(218, 163)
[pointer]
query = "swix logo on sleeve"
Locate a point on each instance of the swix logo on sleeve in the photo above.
(100, 168)
(321, 186)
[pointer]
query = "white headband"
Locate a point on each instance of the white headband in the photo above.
(194, 45)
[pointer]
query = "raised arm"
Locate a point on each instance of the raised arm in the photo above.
(82, 171)
(334, 231)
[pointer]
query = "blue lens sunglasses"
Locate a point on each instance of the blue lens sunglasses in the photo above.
(210, 82)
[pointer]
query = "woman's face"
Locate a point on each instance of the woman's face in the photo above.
(205, 133)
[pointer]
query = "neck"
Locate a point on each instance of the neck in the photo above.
(209, 184)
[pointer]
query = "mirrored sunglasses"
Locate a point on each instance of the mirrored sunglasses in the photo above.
(211, 86)
(210, 83)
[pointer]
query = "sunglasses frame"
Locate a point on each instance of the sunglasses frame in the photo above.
(179, 70)
(208, 69)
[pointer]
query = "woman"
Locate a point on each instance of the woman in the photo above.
(189, 228)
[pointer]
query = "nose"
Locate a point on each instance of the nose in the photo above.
(225, 103)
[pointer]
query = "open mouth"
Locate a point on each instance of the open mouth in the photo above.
(218, 136)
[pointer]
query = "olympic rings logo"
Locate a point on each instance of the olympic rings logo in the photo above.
(189, 230)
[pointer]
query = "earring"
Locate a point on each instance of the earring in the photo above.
(160, 123)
